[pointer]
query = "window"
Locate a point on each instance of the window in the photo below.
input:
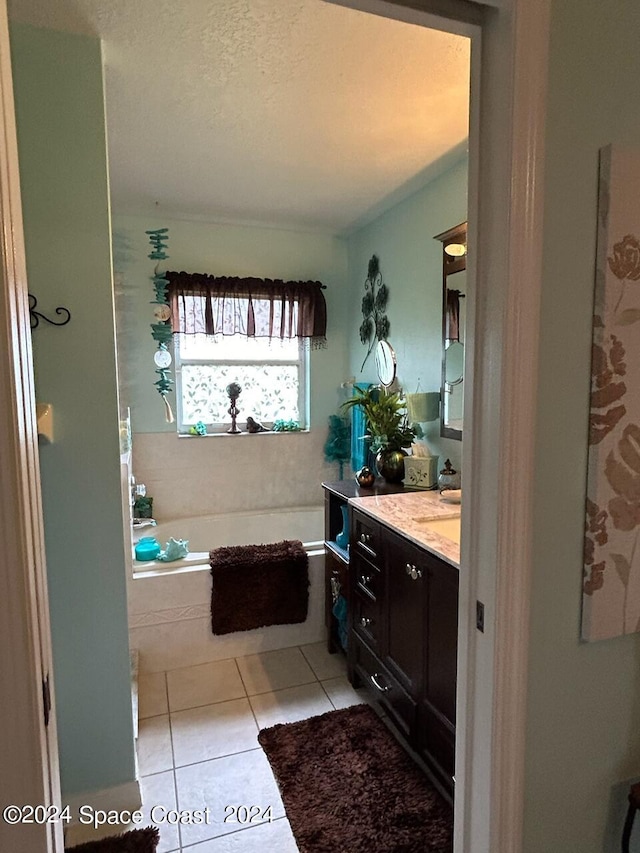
(256, 332)
(272, 375)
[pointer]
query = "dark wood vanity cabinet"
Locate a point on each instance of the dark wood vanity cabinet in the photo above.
(336, 561)
(403, 637)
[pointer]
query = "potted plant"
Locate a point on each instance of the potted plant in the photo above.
(387, 428)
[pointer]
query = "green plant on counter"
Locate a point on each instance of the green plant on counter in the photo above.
(386, 418)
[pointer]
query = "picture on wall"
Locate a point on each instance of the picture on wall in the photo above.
(611, 582)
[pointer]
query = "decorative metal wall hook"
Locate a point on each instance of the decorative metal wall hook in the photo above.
(36, 316)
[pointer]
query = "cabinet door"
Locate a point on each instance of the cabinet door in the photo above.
(438, 707)
(442, 639)
(406, 587)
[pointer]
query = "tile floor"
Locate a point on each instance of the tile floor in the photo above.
(197, 742)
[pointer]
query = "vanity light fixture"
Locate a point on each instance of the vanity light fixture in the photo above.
(455, 250)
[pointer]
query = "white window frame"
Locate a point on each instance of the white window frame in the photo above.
(302, 363)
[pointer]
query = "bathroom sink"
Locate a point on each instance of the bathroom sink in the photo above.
(448, 528)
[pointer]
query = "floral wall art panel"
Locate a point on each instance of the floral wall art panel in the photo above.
(611, 583)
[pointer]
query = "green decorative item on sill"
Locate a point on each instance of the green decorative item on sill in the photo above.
(286, 426)
(161, 330)
(198, 429)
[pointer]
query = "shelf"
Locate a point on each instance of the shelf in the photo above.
(340, 553)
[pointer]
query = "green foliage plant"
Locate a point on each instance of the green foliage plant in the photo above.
(386, 418)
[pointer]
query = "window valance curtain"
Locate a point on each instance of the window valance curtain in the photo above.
(256, 307)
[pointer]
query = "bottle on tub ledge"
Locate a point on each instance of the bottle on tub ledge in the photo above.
(147, 548)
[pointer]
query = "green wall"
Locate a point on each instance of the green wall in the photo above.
(63, 168)
(584, 699)
(411, 267)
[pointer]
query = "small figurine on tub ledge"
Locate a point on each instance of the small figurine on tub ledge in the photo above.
(175, 550)
(255, 426)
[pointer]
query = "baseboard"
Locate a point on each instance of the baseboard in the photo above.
(119, 798)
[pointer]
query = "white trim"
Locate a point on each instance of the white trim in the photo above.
(29, 750)
(518, 416)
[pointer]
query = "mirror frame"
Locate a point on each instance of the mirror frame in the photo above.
(450, 265)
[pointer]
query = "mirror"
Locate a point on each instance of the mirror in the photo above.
(385, 363)
(454, 292)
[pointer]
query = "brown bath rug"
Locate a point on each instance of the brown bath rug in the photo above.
(258, 585)
(135, 841)
(349, 787)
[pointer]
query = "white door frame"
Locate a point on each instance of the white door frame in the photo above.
(30, 772)
(506, 192)
(506, 188)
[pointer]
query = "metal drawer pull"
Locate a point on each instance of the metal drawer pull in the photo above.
(413, 572)
(365, 621)
(366, 579)
(365, 538)
(374, 680)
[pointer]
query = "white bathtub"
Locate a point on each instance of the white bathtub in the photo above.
(169, 603)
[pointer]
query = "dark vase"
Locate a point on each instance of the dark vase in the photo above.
(390, 464)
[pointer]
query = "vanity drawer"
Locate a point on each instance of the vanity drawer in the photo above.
(366, 537)
(368, 580)
(366, 620)
(384, 687)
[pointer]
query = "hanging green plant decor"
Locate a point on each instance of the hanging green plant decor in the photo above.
(375, 323)
(161, 330)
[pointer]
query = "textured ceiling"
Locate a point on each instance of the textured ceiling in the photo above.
(291, 112)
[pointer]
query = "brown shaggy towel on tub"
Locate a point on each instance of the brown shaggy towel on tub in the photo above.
(258, 585)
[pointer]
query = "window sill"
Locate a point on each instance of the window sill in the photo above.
(305, 431)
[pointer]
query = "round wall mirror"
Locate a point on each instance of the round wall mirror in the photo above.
(385, 363)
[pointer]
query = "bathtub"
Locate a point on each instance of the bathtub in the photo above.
(169, 603)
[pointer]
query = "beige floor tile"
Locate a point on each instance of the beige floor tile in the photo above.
(275, 670)
(343, 695)
(212, 731)
(273, 837)
(243, 779)
(154, 745)
(152, 694)
(204, 684)
(159, 791)
(322, 663)
(290, 705)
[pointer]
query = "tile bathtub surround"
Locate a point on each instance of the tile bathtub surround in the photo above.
(207, 755)
(162, 459)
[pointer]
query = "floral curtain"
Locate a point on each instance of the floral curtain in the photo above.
(255, 307)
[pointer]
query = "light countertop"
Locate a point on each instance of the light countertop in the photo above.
(400, 511)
